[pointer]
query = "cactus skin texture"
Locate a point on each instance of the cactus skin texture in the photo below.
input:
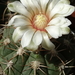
(15, 60)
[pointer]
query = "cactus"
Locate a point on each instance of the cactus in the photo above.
(20, 60)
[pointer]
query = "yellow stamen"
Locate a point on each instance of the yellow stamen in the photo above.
(40, 21)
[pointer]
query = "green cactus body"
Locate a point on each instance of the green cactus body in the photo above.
(22, 64)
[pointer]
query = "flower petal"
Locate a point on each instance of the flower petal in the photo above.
(19, 20)
(36, 4)
(17, 34)
(43, 4)
(62, 9)
(37, 38)
(26, 39)
(31, 5)
(54, 31)
(12, 19)
(51, 5)
(47, 44)
(65, 30)
(27, 5)
(32, 46)
(19, 8)
(64, 1)
(60, 21)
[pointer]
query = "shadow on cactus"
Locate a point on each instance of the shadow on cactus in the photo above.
(36, 39)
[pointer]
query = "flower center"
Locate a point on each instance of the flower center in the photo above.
(40, 22)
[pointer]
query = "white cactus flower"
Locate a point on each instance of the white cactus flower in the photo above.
(40, 20)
